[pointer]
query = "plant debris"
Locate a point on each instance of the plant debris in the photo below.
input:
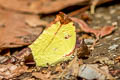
(97, 32)
(22, 22)
(38, 6)
(11, 70)
(15, 31)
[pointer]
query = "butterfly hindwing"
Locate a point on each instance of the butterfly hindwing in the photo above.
(54, 44)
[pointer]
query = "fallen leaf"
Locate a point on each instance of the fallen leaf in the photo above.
(91, 71)
(97, 32)
(10, 70)
(82, 49)
(106, 30)
(56, 43)
(38, 6)
(14, 30)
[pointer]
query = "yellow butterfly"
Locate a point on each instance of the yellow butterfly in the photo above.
(56, 43)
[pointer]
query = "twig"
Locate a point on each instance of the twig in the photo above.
(99, 2)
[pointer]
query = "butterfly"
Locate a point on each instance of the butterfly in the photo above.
(56, 43)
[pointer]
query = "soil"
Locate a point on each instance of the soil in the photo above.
(105, 15)
(107, 49)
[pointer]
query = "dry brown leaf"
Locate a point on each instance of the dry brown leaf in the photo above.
(15, 30)
(10, 70)
(82, 49)
(38, 6)
(97, 32)
(106, 30)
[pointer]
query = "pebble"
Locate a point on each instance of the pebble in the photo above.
(116, 38)
(112, 11)
(91, 71)
(89, 41)
(113, 47)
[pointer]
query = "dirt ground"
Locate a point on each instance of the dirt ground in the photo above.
(102, 52)
(107, 49)
(106, 14)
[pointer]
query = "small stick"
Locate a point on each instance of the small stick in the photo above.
(99, 2)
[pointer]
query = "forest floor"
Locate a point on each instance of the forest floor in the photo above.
(106, 52)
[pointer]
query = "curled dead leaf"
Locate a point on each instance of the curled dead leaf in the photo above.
(15, 31)
(82, 49)
(38, 6)
(97, 32)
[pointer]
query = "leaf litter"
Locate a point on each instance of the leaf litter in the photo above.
(38, 6)
(11, 70)
(106, 30)
(16, 30)
(82, 48)
(61, 67)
